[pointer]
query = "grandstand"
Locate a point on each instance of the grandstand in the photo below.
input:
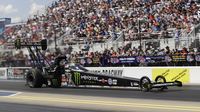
(101, 29)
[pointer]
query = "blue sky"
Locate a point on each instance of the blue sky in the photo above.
(20, 10)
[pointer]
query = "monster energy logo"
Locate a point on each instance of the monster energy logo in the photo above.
(77, 78)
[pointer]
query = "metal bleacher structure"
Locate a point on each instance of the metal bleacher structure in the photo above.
(116, 40)
(158, 41)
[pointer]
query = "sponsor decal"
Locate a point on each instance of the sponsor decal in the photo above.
(114, 60)
(197, 58)
(103, 80)
(168, 59)
(77, 78)
(80, 79)
(90, 78)
(110, 81)
(190, 58)
(114, 81)
(2, 73)
(126, 59)
(88, 82)
(165, 73)
(134, 84)
(179, 75)
(109, 72)
(172, 74)
(141, 59)
(15, 73)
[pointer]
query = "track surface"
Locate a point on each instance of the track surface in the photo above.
(186, 94)
(13, 107)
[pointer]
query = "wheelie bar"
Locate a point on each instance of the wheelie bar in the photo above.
(165, 84)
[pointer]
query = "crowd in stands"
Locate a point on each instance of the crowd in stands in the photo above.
(106, 57)
(100, 20)
(127, 53)
(96, 20)
(8, 59)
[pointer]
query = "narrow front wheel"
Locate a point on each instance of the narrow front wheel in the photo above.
(145, 84)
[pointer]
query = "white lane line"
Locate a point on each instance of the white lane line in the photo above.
(10, 93)
(15, 94)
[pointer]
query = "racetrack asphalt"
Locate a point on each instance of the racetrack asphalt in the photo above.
(187, 93)
(13, 107)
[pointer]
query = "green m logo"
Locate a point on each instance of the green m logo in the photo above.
(77, 78)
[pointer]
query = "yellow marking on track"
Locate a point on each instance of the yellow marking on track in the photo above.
(109, 103)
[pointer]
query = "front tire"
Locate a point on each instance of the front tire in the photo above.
(145, 84)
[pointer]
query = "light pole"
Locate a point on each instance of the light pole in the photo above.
(139, 36)
(55, 40)
(55, 28)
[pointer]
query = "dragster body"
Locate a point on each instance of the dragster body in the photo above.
(44, 73)
(81, 76)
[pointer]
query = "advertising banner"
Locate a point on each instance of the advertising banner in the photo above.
(137, 59)
(172, 74)
(197, 58)
(3, 73)
(179, 58)
(17, 73)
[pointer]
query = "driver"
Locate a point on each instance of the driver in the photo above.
(59, 63)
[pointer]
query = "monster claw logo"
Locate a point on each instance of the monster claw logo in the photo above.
(77, 78)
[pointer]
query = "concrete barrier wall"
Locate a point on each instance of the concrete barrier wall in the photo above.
(188, 75)
(3, 73)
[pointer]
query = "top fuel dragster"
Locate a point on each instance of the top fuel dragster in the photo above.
(43, 73)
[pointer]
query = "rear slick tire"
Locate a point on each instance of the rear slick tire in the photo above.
(34, 79)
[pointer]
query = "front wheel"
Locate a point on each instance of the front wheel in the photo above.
(145, 84)
(161, 79)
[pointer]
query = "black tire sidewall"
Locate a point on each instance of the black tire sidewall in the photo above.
(38, 79)
(141, 84)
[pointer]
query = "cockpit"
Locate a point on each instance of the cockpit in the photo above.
(77, 67)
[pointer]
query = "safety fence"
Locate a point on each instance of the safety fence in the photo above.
(165, 60)
(119, 61)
